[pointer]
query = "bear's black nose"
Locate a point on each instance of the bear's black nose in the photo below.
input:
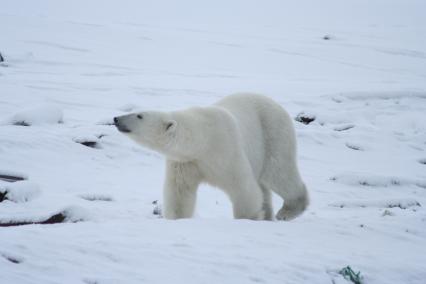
(120, 126)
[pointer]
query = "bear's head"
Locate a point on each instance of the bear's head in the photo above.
(154, 130)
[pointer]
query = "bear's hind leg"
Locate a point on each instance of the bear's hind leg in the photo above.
(267, 203)
(180, 190)
(294, 204)
(282, 177)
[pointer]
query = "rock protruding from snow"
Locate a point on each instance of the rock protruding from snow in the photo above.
(20, 191)
(305, 118)
(88, 141)
(12, 176)
(42, 114)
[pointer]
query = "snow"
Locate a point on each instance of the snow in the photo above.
(43, 114)
(21, 191)
(70, 67)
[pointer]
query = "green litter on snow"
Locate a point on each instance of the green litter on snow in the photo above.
(350, 275)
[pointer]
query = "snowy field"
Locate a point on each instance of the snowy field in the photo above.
(358, 68)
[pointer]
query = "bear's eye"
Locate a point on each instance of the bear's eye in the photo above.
(139, 116)
(170, 124)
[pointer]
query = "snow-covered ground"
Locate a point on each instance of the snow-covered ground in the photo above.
(357, 67)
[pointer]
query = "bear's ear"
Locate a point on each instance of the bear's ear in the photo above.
(170, 125)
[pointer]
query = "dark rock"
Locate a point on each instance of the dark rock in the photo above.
(305, 118)
(10, 178)
(12, 259)
(89, 143)
(3, 196)
(55, 219)
(21, 123)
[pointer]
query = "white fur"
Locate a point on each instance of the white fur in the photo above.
(244, 144)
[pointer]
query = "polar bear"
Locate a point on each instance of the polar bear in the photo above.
(244, 144)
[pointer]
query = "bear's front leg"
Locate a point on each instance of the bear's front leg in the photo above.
(247, 198)
(180, 189)
(248, 205)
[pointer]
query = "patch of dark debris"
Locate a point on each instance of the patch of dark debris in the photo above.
(1, 58)
(404, 206)
(21, 123)
(386, 204)
(305, 118)
(422, 161)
